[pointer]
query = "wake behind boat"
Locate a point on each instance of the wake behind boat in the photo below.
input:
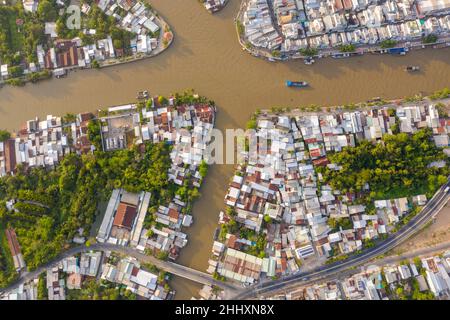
(297, 84)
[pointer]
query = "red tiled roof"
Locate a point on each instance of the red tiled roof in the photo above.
(134, 272)
(321, 162)
(125, 216)
(173, 214)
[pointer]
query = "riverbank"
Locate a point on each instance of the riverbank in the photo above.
(84, 56)
(162, 46)
(395, 47)
(289, 208)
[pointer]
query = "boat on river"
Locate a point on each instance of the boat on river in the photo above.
(412, 68)
(297, 84)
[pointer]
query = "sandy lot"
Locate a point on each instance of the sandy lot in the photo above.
(438, 232)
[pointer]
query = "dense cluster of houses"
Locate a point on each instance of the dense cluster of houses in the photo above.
(291, 25)
(188, 128)
(66, 54)
(429, 275)
(27, 291)
(72, 272)
(43, 143)
(128, 272)
(282, 186)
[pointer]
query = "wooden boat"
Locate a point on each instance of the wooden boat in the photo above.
(297, 84)
(412, 68)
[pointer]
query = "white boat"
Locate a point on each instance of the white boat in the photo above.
(309, 61)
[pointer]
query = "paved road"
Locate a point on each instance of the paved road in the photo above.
(395, 259)
(174, 268)
(236, 292)
(415, 224)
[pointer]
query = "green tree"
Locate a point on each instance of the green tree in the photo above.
(162, 100)
(309, 52)
(117, 44)
(15, 71)
(95, 64)
(47, 11)
(347, 48)
(251, 124)
(4, 135)
(42, 293)
(389, 43)
(203, 169)
(431, 38)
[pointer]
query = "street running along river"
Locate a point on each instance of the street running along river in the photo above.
(206, 56)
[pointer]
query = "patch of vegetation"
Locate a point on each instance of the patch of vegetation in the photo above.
(336, 224)
(240, 27)
(309, 52)
(42, 292)
(276, 53)
(251, 124)
(4, 135)
(37, 76)
(397, 167)
(431, 38)
(347, 48)
(389, 43)
(203, 169)
(440, 94)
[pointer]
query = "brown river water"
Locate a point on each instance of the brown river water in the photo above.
(206, 56)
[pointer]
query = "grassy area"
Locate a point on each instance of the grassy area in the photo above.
(16, 38)
(10, 32)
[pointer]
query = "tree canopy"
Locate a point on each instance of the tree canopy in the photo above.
(4, 135)
(397, 166)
